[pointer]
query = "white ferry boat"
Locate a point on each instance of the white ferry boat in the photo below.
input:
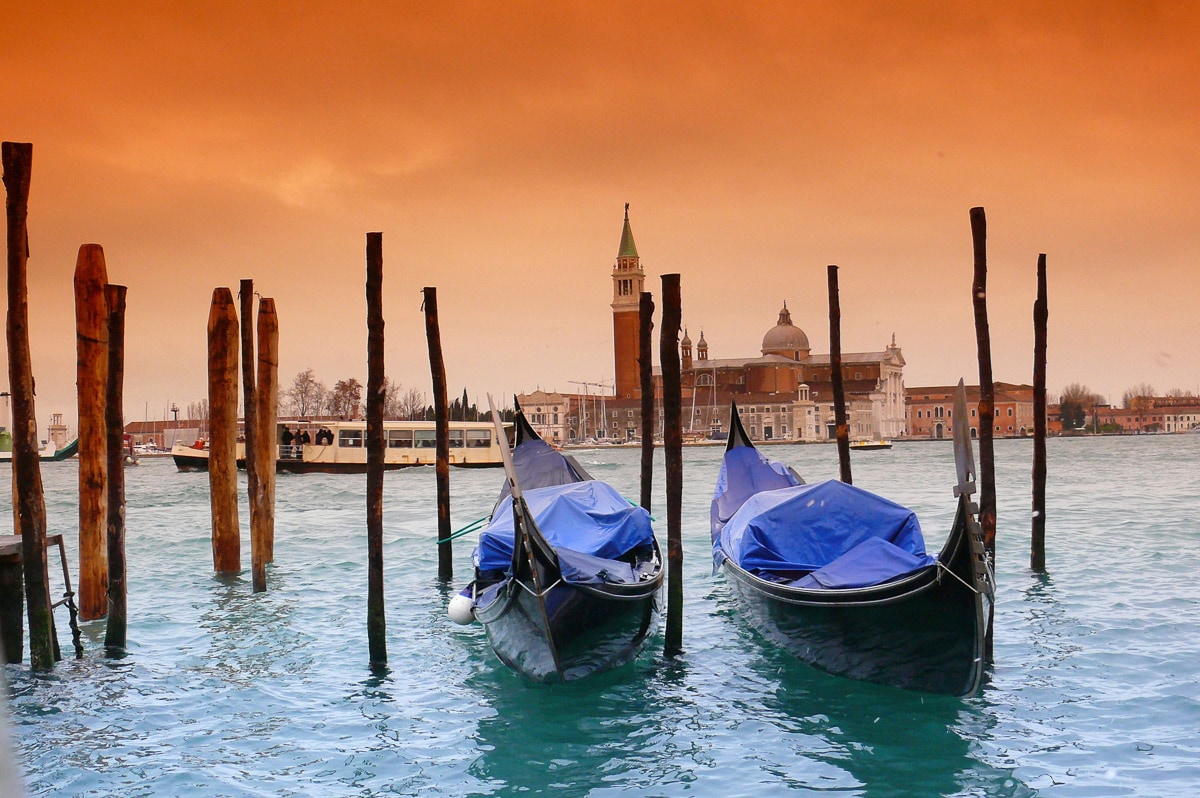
(340, 447)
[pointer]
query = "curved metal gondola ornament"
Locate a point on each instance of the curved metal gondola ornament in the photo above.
(965, 467)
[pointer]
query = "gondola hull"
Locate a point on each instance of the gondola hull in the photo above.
(923, 632)
(582, 631)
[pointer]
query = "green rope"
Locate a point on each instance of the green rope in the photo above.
(635, 504)
(471, 527)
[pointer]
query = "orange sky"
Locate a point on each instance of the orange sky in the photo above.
(494, 144)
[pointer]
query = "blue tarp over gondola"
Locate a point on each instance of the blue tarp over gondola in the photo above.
(589, 524)
(845, 536)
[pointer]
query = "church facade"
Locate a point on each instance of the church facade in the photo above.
(785, 392)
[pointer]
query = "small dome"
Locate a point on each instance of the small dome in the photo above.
(785, 337)
(686, 341)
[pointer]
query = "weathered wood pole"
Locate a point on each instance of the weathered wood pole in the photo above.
(262, 523)
(672, 410)
(115, 631)
(376, 393)
(91, 369)
(222, 431)
(1041, 313)
(30, 503)
(246, 323)
(441, 424)
(835, 373)
(987, 402)
(645, 366)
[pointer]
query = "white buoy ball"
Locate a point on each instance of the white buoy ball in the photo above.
(461, 609)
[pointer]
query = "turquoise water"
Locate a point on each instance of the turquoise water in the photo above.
(1095, 692)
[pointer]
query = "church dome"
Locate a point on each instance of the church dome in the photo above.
(785, 338)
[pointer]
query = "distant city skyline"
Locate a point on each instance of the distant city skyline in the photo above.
(495, 147)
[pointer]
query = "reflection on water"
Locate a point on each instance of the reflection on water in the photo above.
(1096, 688)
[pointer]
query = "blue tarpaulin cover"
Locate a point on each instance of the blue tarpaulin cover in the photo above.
(846, 536)
(539, 465)
(744, 472)
(589, 524)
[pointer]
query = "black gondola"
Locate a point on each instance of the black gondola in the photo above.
(557, 612)
(872, 607)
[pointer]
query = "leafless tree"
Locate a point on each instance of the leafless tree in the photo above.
(391, 400)
(306, 396)
(345, 400)
(411, 404)
(1135, 392)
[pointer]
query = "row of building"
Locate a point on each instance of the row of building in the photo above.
(783, 393)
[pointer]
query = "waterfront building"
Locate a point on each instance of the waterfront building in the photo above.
(930, 410)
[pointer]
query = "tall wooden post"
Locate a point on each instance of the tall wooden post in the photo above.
(246, 323)
(376, 393)
(987, 399)
(1041, 313)
(115, 632)
(672, 409)
(835, 372)
(222, 431)
(646, 370)
(266, 399)
(441, 422)
(91, 369)
(30, 502)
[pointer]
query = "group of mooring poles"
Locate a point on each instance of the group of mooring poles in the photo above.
(100, 339)
(227, 336)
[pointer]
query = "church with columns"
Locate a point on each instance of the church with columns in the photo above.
(784, 393)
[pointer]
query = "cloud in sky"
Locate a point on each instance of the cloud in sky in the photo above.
(494, 146)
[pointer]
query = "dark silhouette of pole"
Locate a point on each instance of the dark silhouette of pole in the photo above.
(91, 370)
(672, 410)
(30, 501)
(835, 373)
(437, 368)
(246, 322)
(115, 631)
(376, 393)
(987, 399)
(1041, 313)
(646, 371)
(264, 432)
(222, 431)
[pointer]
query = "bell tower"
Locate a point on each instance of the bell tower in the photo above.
(628, 283)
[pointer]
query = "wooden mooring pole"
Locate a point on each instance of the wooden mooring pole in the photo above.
(262, 523)
(91, 348)
(30, 502)
(246, 322)
(835, 372)
(376, 393)
(115, 631)
(1041, 313)
(222, 431)
(672, 409)
(987, 400)
(437, 368)
(646, 372)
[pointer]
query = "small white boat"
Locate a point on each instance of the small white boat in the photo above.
(866, 446)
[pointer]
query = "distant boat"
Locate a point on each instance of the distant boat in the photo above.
(866, 446)
(342, 449)
(840, 578)
(48, 452)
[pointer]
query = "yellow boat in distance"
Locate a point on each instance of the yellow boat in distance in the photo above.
(866, 446)
(342, 448)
